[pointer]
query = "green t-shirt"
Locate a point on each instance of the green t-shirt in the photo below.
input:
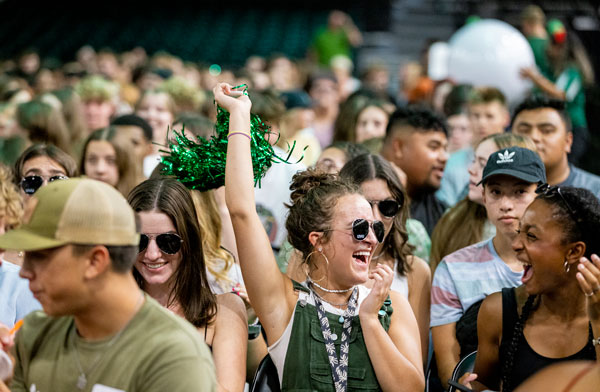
(328, 43)
(157, 351)
(571, 82)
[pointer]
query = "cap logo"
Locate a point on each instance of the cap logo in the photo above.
(506, 157)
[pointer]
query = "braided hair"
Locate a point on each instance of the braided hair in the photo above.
(517, 333)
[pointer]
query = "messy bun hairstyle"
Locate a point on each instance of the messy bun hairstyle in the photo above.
(313, 200)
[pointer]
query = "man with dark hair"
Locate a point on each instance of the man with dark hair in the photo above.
(98, 331)
(546, 121)
(416, 142)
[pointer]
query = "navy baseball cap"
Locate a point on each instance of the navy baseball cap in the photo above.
(518, 162)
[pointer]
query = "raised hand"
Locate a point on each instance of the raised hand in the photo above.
(230, 99)
(588, 278)
(383, 276)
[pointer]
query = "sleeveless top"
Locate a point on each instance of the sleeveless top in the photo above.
(305, 365)
(400, 283)
(526, 361)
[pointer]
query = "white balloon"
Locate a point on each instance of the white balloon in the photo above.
(491, 52)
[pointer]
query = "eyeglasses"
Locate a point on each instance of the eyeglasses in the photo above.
(169, 243)
(31, 184)
(551, 190)
(360, 229)
(388, 208)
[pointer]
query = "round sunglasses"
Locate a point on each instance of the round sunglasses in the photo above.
(360, 229)
(388, 207)
(169, 243)
(31, 184)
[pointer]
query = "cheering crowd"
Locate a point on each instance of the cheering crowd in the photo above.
(393, 237)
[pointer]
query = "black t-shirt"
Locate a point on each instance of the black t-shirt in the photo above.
(427, 209)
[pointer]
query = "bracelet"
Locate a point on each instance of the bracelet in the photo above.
(238, 133)
(596, 342)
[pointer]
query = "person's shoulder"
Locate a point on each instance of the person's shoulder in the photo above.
(470, 254)
(38, 326)
(559, 376)
(585, 179)
(168, 329)
(231, 302)
(420, 268)
(9, 268)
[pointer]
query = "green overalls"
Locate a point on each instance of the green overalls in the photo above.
(306, 366)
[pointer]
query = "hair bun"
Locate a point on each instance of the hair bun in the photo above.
(303, 182)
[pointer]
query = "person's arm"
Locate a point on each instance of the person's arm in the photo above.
(542, 83)
(270, 292)
(395, 354)
(419, 298)
(486, 374)
(227, 235)
(229, 343)
(588, 278)
(447, 350)
(446, 310)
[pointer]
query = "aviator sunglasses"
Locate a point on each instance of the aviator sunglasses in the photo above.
(31, 184)
(360, 229)
(169, 243)
(388, 208)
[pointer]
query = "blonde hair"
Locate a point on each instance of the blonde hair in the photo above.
(463, 224)
(209, 222)
(97, 88)
(11, 205)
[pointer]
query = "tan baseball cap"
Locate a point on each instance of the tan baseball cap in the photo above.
(74, 211)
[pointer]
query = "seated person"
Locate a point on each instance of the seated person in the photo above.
(553, 316)
(468, 275)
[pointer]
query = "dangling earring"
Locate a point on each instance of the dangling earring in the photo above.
(567, 266)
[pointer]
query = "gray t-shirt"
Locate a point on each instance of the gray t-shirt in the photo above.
(581, 179)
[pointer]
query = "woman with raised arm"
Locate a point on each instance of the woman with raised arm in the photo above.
(332, 224)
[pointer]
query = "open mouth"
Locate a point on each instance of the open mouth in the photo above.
(361, 257)
(527, 272)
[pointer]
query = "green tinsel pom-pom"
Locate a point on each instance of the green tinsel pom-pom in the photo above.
(201, 164)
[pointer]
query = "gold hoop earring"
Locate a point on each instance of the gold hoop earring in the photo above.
(307, 259)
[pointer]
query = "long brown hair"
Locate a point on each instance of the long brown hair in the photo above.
(368, 167)
(463, 224)
(189, 286)
(130, 173)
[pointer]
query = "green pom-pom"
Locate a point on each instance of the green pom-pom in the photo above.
(201, 164)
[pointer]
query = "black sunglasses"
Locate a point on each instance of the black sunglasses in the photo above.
(31, 184)
(169, 243)
(388, 208)
(360, 229)
(551, 190)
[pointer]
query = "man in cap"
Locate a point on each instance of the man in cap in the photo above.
(98, 331)
(464, 278)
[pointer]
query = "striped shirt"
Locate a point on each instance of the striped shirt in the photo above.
(465, 277)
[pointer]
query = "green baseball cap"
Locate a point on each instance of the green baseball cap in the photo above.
(518, 162)
(74, 211)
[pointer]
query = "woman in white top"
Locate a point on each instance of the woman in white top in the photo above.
(381, 187)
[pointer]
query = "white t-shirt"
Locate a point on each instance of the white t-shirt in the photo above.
(270, 197)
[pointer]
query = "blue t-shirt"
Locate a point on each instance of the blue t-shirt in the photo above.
(456, 176)
(581, 179)
(16, 300)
